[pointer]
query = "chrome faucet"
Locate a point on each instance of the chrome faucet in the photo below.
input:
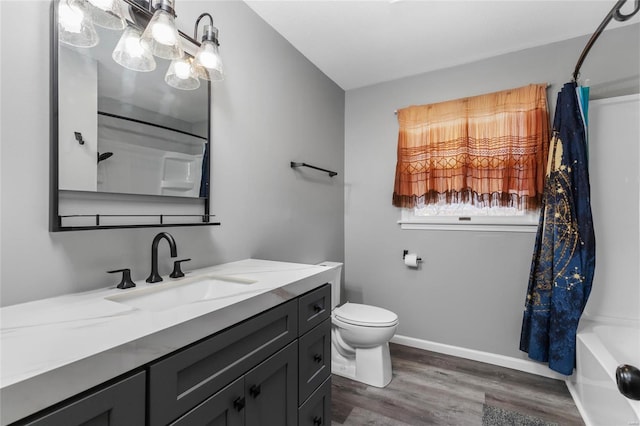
(155, 277)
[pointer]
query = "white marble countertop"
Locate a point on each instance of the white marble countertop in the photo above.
(54, 348)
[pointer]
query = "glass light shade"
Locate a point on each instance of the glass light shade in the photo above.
(208, 62)
(130, 53)
(181, 75)
(106, 13)
(161, 36)
(73, 26)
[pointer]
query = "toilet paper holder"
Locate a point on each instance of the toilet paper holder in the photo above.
(406, 252)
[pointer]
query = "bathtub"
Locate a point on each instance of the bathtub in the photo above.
(600, 349)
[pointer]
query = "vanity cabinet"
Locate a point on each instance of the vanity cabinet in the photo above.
(272, 369)
(118, 404)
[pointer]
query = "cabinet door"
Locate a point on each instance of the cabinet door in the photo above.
(316, 411)
(271, 390)
(225, 408)
(120, 404)
(314, 353)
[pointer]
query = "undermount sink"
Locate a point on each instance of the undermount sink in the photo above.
(167, 295)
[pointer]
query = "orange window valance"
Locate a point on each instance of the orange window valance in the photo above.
(487, 150)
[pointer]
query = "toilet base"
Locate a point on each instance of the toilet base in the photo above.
(371, 366)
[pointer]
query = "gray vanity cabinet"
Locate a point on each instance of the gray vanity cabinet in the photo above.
(118, 404)
(272, 369)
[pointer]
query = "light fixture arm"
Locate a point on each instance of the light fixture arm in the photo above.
(210, 32)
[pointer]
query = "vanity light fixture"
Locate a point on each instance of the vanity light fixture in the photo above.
(161, 35)
(181, 74)
(136, 48)
(106, 13)
(74, 26)
(130, 53)
(208, 64)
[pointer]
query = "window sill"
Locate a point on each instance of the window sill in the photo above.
(453, 224)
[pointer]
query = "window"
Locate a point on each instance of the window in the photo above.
(478, 160)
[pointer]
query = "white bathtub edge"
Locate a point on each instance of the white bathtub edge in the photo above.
(576, 400)
(523, 365)
(603, 319)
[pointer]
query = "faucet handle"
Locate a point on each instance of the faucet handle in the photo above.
(177, 272)
(125, 282)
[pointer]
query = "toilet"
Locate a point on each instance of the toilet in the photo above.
(360, 337)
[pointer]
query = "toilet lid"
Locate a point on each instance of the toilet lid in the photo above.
(365, 315)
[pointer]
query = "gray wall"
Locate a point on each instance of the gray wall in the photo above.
(273, 107)
(470, 289)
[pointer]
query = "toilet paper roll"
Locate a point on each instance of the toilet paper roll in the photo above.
(411, 260)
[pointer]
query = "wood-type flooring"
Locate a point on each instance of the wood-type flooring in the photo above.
(429, 388)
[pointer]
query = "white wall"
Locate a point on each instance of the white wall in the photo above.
(274, 107)
(614, 157)
(470, 290)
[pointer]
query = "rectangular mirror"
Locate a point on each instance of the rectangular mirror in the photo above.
(128, 148)
(128, 132)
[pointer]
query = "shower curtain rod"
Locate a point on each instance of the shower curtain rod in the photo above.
(613, 14)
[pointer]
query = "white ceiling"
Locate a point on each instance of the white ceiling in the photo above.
(359, 43)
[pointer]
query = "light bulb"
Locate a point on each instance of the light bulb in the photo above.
(133, 47)
(208, 63)
(74, 27)
(130, 53)
(106, 13)
(208, 58)
(163, 33)
(181, 75)
(182, 69)
(70, 17)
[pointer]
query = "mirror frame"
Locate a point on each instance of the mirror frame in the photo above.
(155, 219)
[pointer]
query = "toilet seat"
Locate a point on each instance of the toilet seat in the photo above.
(365, 315)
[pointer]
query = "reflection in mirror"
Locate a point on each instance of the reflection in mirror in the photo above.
(126, 131)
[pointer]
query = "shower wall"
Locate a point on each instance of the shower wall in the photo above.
(614, 167)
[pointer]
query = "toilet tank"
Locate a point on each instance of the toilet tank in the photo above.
(335, 281)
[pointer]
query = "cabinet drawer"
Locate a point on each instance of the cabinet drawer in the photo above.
(185, 379)
(314, 350)
(119, 404)
(316, 411)
(314, 307)
(225, 408)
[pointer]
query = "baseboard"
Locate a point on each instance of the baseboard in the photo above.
(524, 365)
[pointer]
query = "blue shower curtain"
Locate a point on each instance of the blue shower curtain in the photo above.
(564, 254)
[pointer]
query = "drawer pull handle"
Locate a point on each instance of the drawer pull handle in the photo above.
(317, 358)
(254, 391)
(317, 308)
(317, 421)
(239, 403)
